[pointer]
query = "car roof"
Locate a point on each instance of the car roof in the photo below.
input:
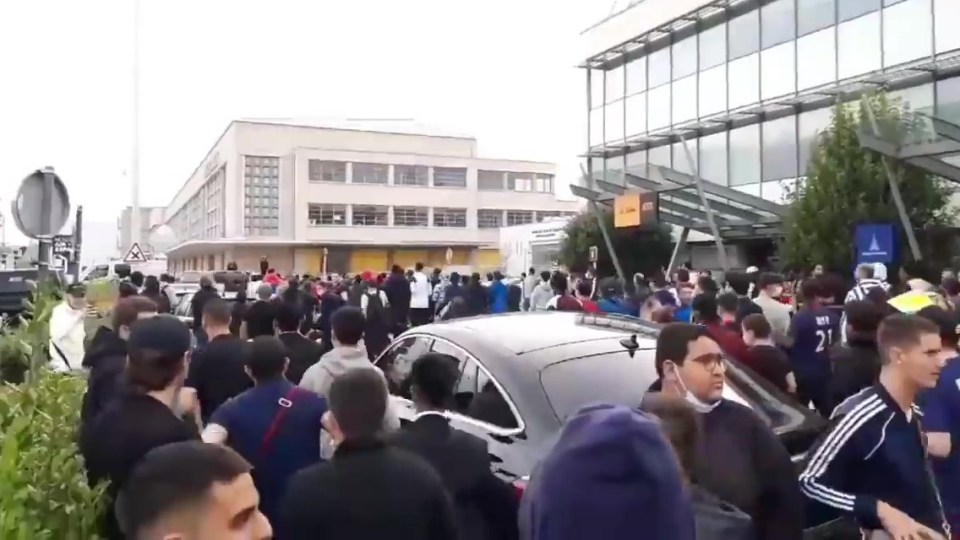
(527, 332)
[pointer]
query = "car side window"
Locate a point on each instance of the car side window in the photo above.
(479, 398)
(398, 360)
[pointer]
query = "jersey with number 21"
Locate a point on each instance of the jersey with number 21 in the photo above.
(814, 331)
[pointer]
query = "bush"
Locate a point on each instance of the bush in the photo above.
(24, 341)
(43, 487)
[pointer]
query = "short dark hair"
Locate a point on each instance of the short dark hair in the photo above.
(707, 284)
(899, 330)
(811, 289)
(584, 287)
(674, 341)
(174, 477)
(705, 305)
(533, 270)
(758, 324)
(358, 401)
(128, 310)
(266, 357)
(946, 322)
(136, 277)
(558, 281)
(418, 266)
(288, 317)
(863, 316)
(126, 289)
(768, 279)
(728, 302)
(545, 275)
(348, 324)
(739, 282)
(683, 275)
(454, 278)
(217, 311)
(434, 375)
(680, 424)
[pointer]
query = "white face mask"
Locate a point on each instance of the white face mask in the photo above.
(698, 404)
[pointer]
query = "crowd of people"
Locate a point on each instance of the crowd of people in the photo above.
(270, 420)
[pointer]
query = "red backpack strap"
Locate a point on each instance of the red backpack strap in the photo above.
(286, 403)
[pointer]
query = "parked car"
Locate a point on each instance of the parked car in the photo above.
(530, 371)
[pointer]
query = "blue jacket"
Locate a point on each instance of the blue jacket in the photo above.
(611, 475)
(614, 305)
(498, 297)
(872, 452)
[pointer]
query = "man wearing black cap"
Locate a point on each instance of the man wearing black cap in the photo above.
(144, 417)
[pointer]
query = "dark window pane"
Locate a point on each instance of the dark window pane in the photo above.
(813, 15)
(851, 9)
(777, 23)
(743, 35)
(613, 377)
(780, 149)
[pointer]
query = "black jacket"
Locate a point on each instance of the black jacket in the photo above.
(217, 372)
(367, 491)
(106, 358)
(718, 520)
(397, 289)
(486, 506)
(302, 352)
(856, 366)
(477, 300)
(199, 300)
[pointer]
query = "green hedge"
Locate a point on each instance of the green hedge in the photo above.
(43, 487)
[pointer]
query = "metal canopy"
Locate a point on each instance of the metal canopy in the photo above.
(930, 150)
(736, 214)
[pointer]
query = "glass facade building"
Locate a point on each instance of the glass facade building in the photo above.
(749, 85)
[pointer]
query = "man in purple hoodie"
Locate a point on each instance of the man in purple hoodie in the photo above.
(611, 475)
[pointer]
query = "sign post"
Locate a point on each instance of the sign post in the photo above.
(326, 253)
(40, 209)
(135, 254)
(593, 254)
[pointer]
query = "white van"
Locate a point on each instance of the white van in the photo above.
(109, 270)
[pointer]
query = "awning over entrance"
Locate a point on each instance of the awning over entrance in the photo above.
(930, 140)
(736, 214)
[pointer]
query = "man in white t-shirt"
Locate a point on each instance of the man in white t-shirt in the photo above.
(419, 297)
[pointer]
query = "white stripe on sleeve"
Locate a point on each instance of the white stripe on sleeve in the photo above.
(828, 451)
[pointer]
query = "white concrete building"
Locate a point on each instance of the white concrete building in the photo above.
(318, 198)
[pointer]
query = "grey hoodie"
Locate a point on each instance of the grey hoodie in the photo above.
(335, 363)
(541, 295)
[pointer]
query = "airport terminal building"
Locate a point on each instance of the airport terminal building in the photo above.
(748, 84)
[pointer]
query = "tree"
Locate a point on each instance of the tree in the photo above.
(644, 250)
(847, 185)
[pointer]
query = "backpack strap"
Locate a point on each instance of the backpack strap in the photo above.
(286, 403)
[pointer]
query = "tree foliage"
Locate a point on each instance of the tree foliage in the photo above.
(847, 185)
(644, 250)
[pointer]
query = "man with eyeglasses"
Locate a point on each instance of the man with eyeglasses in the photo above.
(742, 461)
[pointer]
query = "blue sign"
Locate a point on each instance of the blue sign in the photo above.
(875, 243)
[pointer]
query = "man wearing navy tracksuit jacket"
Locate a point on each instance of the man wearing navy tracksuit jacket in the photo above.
(872, 463)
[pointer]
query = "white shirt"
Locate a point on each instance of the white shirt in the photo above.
(420, 291)
(67, 335)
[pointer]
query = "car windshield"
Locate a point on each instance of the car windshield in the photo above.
(615, 377)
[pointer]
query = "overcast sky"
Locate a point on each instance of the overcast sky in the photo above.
(501, 70)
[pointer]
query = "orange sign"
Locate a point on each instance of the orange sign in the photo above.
(626, 210)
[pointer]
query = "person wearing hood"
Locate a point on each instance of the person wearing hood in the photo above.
(107, 356)
(498, 294)
(741, 460)
(542, 293)
(715, 519)
(571, 496)
(348, 353)
(67, 332)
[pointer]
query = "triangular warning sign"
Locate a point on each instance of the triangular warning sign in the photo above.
(874, 245)
(135, 254)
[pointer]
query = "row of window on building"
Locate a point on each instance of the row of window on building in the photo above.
(420, 175)
(202, 215)
(420, 216)
(785, 47)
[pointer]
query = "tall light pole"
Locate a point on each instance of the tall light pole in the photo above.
(135, 158)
